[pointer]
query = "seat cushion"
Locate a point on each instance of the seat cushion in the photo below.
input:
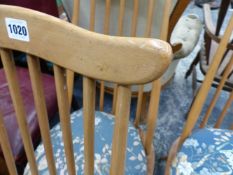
(205, 152)
(135, 157)
(6, 106)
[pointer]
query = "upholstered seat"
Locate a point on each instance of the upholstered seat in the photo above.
(6, 106)
(135, 154)
(205, 152)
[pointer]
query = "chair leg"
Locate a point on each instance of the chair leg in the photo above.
(194, 81)
(193, 64)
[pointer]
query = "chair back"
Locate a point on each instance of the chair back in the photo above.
(212, 38)
(203, 92)
(120, 60)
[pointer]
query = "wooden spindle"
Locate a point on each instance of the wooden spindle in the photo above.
(152, 114)
(63, 105)
(92, 15)
(121, 18)
(135, 18)
(89, 123)
(120, 130)
(42, 115)
(11, 76)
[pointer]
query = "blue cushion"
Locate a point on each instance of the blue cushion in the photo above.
(135, 156)
(205, 152)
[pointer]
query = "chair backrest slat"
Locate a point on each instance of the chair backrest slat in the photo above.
(135, 18)
(107, 15)
(40, 105)
(6, 148)
(121, 18)
(165, 23)
(64, 112)
(76, 9)
(150, 12)
(92, 15)
(11, 76)
(217, 93)
(89, 92)
(120, 130)
(203, 91)
(152, 114)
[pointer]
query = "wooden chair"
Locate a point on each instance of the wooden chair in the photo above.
(212, 38)
(206, 150)
(72, 144)
(135, 18)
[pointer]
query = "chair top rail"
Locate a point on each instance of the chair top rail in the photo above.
(86, 52)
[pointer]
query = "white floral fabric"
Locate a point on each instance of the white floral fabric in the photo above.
(205, 152)
(135, 162)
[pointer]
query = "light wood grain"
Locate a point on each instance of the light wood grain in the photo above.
(150, 12)
(121, 17)
(107, 16)
(114, 101)
(76, 9)
(165, 22)
(101, 96)
(135, 18)
(6, 148)
(120, 130)
(92, 15)
(63, 105)
(146, 58)
(89, 124)
(152, 115)
(139, 106)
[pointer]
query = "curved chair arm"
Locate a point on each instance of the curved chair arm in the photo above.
(210, 28)
(186, 33)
